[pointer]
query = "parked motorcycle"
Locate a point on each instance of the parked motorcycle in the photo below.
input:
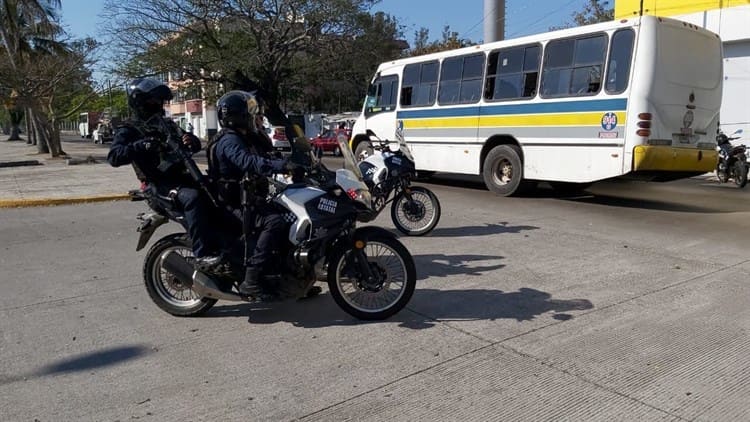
(415, 210)
(732, 160)
(370, 274)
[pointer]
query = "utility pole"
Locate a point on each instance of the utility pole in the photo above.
(494, 20)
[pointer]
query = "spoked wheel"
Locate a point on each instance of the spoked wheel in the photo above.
(169, 293)
(387, 292)
(418, 216)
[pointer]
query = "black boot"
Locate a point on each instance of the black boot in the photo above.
(251, 285)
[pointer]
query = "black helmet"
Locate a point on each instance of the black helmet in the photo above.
(237, 110)
(146, 97)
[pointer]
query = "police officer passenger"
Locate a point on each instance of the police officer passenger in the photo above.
(239, 149)
(140, 142)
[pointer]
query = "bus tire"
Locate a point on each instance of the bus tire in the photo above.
(503, 171)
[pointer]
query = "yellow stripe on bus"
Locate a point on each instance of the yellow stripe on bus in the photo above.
(567, 119)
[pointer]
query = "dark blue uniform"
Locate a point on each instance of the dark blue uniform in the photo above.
(232, 155)
(160, 172)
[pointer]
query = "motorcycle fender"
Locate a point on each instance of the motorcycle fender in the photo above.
(364, 233)
(147, 228)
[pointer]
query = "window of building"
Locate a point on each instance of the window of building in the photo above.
(513, 73)
(382, 95)
(461, 80)
(618, 67)
(420, 84)
(573, 67)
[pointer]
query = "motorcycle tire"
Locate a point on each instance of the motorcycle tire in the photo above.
(398, 267)
(418, 217)
(168, 293)
(740, 174)
(722, 176)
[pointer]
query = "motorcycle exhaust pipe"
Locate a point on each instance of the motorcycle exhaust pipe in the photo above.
(176, 264)
(200, 283)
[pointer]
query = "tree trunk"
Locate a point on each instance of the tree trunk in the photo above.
(15, 134)
(39, 132)
(16, 116)
(30, 136)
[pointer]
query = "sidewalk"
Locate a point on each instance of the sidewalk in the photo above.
(56, 181)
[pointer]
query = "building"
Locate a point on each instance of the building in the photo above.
(190, 105)
(731, 20)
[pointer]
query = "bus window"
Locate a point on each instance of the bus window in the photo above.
(381, 95)
(573, 67)
(618, 67)
(461, 80)
(420, 84)
(512, 73)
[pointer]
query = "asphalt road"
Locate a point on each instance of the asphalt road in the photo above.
(628, 304)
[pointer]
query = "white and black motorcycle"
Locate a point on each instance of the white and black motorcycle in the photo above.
(415, 210)
(370, 274)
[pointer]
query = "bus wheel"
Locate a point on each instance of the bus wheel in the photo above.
(503, 171)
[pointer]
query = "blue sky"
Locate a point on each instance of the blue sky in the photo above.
(523, 17)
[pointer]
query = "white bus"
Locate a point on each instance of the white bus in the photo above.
(636, 97)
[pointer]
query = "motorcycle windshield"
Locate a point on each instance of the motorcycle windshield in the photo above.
(349, 162)
(402, 146)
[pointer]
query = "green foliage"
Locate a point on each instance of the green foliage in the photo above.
(595, 11)
(302, 54)
(450, 41)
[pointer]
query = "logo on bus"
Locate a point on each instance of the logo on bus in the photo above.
(609, 121)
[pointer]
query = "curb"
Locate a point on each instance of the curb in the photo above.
(46, 202)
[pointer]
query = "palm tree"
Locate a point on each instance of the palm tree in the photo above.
(27, 29)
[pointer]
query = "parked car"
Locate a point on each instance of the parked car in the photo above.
(327, 141)
(278, 138)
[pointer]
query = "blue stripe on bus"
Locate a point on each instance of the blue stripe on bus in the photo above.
(615, 104)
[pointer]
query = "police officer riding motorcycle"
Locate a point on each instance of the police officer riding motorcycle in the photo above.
(142, 142)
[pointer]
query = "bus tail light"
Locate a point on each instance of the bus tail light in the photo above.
(644, 124)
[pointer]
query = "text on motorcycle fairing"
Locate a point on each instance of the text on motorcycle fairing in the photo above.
(327, 205)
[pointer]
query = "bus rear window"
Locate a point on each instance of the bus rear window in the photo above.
(688, 57)
(618, 67)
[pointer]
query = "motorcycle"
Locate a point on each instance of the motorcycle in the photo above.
(732, 160)
(415, 210)
(370, 274)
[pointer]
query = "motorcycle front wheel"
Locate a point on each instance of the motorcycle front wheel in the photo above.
(418, 216)
(394, 269)
(167, 292)
(740, 174)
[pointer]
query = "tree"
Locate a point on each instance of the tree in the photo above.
(594, 11)
(41, 68)
(273, 46)
(450, 41)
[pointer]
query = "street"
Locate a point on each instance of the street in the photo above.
(629, 302)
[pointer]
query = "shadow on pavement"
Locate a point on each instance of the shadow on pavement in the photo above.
(485, 230)
(441, 265)
(84, 362)
(428, 307)
(647, 204)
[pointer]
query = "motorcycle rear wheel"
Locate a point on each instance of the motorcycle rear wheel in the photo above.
(418, 216)
(740, 174)
(165, 290)
(387, 257)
